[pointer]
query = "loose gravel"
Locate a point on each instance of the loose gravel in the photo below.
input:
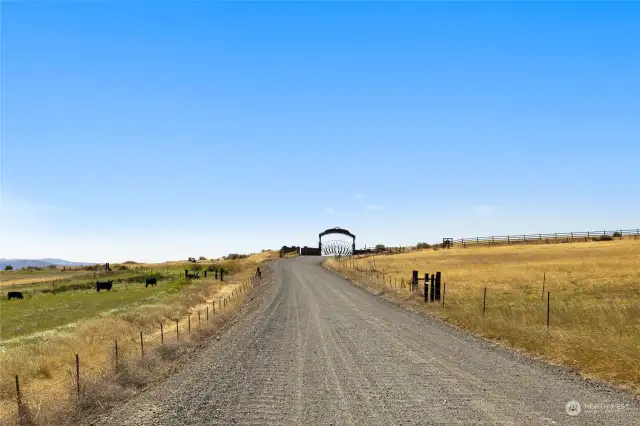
(313, 349)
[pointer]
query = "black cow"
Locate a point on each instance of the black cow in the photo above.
(104, 285)
(151, 281)
(14, 295)
(193, 276)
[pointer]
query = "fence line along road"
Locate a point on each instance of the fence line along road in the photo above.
(546, 238)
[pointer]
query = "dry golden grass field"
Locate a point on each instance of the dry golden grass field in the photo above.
(20, 278)
(45, 360)
(594, 292)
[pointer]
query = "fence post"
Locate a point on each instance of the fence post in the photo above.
(189, 330)
(444, 290)
(484, 302)
(19, 397)
(207, 314)
(426, 287)
(436, 293)
(177, 331)
(78, 376)
(141, 346)
(161, 335)
(198, 318)
(548, 309)
(433, 287)
(414, 280)
(116, 354)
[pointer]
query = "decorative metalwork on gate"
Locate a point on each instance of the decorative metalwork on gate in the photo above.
(336, 230)
(337, 248)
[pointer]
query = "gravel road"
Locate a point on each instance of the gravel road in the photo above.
(315, 349)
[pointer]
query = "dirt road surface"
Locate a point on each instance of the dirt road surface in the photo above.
(314, 349)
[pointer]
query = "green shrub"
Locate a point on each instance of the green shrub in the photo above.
(8, 268)
(236, 256)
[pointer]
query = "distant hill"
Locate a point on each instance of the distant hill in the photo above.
(40, 263)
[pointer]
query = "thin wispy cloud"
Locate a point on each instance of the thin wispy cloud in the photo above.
(373, 207)
(485, 208)
(358, 196)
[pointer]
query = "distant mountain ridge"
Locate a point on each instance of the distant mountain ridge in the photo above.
(39, 263)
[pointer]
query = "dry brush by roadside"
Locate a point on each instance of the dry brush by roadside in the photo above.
(48, 372)
(594, 304)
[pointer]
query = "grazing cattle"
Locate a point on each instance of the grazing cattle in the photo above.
(104, 285)
(151, 281)
(193, 276)
(14, 295)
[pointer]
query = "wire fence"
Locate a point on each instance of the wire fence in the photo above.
(429, 287)
(120, 282)
(79, 382)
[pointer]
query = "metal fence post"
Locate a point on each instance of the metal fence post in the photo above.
(19, 397)
(548, 309)
(78, 376)
(484, 302)
(444, 290)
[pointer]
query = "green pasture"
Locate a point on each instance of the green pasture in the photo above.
(48, 310)
(47, 305)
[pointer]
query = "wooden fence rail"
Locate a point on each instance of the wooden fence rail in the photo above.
(546, 238)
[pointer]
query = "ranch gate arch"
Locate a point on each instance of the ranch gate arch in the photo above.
(337, 230)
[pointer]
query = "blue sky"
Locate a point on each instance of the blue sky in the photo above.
(162, 130)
